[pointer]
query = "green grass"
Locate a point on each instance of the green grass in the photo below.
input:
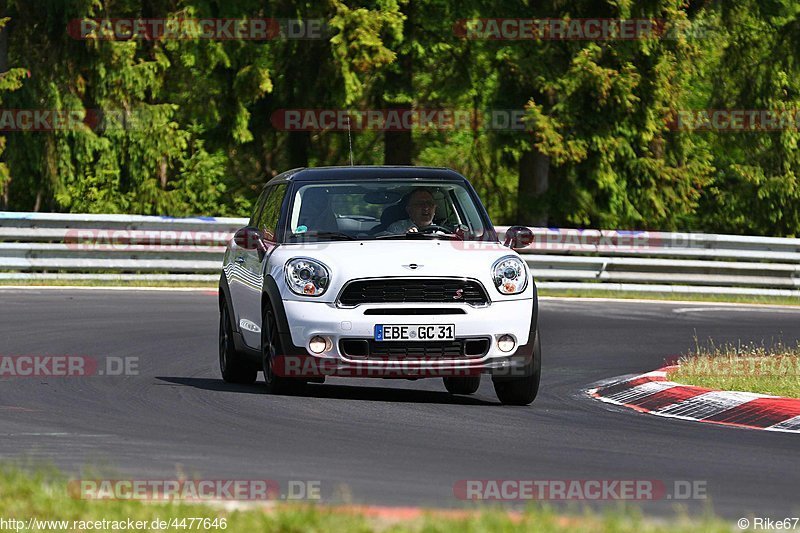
(43, 494)
(764, 369)
(689, 297)
(764, 300)
(109, 283)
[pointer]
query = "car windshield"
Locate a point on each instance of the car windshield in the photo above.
(385, 210)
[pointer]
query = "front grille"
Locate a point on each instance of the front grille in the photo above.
(476, 347)
(414, 290)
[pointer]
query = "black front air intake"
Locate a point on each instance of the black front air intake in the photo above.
(474, 347)
(413, 290)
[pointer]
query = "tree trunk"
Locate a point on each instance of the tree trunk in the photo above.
(162, 173)
(534, 175)
(299, 142)
(398, 145)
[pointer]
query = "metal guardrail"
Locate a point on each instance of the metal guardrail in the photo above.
(570, 259)
(53, 246)
(45, 246)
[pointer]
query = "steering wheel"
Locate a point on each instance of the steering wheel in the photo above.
(433, 227)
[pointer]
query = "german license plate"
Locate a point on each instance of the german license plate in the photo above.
(415, 332)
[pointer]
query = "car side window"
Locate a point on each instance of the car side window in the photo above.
(259, 205)
(267, 220)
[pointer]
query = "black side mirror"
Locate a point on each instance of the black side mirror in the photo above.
(518, 237)
(249, 238)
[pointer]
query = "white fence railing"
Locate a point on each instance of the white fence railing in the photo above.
(44, 246)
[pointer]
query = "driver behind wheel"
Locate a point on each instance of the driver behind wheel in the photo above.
(421, 209)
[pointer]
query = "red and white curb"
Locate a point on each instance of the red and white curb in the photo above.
(651, 393)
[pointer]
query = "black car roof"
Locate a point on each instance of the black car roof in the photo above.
(368, 172)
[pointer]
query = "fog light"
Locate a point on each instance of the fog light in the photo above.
(319, 344)
(506, 343)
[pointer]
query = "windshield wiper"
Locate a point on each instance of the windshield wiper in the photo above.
(334, 235)
(418, 235)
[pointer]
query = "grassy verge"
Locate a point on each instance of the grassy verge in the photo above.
(44, 496)
(751, 368)
(763, 300)
(689, 297)
(108, 283)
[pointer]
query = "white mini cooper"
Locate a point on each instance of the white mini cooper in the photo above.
(391, 272)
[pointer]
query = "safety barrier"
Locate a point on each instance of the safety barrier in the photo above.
(47, 246)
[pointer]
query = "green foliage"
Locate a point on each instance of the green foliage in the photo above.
(599, 113)
(182, 126)
(357, 44)
(9, 81)
(756, 189)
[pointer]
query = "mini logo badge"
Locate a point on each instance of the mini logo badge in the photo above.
(413, 266)
(459, 294)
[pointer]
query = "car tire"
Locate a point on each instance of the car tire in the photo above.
(522, 390)
(270, 348)
(233, 366)
(459, 385)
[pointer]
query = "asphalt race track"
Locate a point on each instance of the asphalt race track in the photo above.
(382, 442)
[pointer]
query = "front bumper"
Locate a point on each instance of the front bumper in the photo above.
(308, 319)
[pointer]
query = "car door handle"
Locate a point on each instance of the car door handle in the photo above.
(239, 260)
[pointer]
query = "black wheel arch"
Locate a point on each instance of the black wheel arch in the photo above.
(226, 299)
(271, 295)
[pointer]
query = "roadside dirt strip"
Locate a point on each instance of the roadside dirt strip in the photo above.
(651, 393)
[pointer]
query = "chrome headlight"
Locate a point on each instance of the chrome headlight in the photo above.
(509, 275)
(306, 277)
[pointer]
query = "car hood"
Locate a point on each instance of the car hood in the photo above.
(396, 258)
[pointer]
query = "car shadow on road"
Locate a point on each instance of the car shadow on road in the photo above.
(213, 384)
(335, 392)
(386, 394)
